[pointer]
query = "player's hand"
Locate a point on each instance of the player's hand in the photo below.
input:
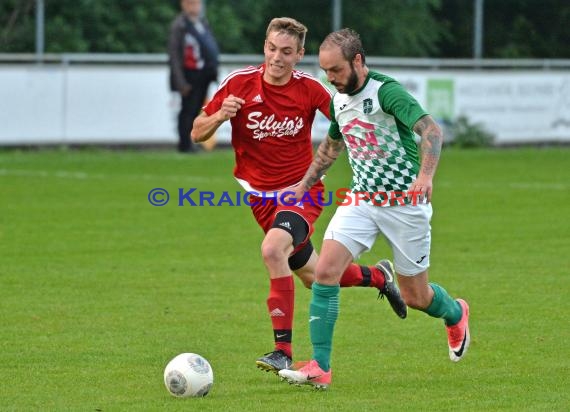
(290, 195)
(420, 190)
(230, 107)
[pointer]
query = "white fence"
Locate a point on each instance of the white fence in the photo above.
(90, 99)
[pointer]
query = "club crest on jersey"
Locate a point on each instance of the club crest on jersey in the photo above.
(367, 106)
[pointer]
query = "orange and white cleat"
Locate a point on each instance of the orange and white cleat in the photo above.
(310, 374)
(458, 337)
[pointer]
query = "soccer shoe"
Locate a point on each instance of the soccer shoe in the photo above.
(458, 337)
(310, 374)
(274, 361)
(390, 289)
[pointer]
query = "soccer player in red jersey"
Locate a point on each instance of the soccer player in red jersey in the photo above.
(271, 109)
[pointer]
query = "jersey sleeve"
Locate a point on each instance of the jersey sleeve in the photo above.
(396, 100)
(334, 129)
(323, 100)
(215, 103)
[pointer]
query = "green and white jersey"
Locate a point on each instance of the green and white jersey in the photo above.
(376, 123)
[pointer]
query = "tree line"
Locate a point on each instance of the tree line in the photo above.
(391, 28)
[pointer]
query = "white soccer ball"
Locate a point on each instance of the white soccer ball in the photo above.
(188, 374)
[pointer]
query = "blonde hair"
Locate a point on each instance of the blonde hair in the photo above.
(288, 26)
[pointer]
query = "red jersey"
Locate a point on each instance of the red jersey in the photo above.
(271, 134)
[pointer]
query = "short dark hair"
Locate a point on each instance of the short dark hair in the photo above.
(348, 41)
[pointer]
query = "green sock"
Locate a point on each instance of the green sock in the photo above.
(444, 306)
(323, 313)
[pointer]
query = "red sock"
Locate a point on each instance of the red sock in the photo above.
(356, 275)
(378, 279)
(281, 304)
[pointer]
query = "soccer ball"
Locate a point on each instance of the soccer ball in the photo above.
(188, 374)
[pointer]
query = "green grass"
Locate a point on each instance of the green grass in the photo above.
(99, 289)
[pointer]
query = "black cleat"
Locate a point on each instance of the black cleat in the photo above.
(274, 361)
(390, 289)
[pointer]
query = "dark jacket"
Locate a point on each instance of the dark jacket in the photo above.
(191, 53)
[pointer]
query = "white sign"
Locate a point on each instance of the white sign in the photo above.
(51, 104)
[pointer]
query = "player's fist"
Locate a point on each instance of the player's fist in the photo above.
(230, 106)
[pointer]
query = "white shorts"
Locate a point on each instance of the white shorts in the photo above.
(406, 228)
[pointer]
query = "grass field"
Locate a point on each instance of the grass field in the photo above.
(99, 289)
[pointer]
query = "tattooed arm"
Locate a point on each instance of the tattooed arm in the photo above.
(431, 142)
(326, 154)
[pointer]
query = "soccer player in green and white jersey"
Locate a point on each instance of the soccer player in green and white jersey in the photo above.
(375, 118)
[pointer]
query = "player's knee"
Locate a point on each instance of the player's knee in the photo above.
(327, 275)
(272, 253)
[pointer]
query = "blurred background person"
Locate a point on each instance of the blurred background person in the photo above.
(193, 60)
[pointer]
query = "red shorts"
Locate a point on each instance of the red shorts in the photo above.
(265, 210)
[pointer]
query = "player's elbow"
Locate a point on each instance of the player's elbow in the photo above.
(194, 136)
(197, 134)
